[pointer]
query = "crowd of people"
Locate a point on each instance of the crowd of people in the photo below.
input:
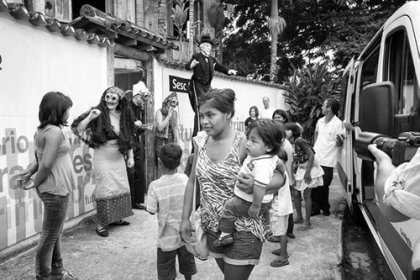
(244, 186)
(243, 182)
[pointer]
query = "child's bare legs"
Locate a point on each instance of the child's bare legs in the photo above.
(298, 206)
(308, 206)
(283, 246)
(308, 210)
(283, 257)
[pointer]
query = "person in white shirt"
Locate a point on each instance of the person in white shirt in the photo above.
(267, 111)
(328, 141)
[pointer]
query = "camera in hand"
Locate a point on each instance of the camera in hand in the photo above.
(400, 150)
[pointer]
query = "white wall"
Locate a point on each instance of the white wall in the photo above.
(248, 94)
(35, 61)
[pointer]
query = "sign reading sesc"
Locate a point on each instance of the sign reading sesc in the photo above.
(178, 84)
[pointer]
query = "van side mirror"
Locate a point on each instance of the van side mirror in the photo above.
(377, 108)
(376, 116)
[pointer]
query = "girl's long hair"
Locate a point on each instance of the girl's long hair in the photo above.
(52, 109)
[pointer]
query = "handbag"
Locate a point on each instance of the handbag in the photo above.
(198, 245)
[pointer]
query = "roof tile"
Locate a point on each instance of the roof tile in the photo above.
(19, 12)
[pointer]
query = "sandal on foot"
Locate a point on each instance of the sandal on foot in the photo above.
(120, 223)
(277, 252)
(274, 239)
(280, 261)
(102, 232)
(304, 227)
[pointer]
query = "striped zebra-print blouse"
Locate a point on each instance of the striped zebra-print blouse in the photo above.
(217, 180)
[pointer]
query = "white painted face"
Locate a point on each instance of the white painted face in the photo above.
(137, 99)
(112, 100)
(205, 48)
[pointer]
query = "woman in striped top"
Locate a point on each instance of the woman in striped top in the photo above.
(220, 150)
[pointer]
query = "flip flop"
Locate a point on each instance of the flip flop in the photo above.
(280, 261)
(120, 223)
(277, 252)
(304, 227)
(274, 239)
(102, 232)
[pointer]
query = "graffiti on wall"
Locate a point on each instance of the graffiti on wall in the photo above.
(20, 210)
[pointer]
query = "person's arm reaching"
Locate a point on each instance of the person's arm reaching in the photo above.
(192, 63)
(162, 122)
(223, 69)
(93, 114)
(384, 170)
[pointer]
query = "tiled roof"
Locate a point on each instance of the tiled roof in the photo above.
(110, 24)
(19, 12)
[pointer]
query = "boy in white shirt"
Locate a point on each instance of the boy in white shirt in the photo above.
(166, 198)
(264, 139)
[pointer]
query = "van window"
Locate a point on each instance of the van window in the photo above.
(369, 69)
(344, 85)
(400, 70)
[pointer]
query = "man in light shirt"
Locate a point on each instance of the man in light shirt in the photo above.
(328, 142)
(267, 111)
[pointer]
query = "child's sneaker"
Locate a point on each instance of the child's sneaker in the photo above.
(223, 241)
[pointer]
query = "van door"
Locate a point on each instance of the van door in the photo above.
(402, 68)
(345, 163)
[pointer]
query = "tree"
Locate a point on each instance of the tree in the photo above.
(180, 16)
(323, 26)
(307, 88)
(216, 18)
(276, 24)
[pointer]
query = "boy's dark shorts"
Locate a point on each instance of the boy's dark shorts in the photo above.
(246, 249)
(166, 263)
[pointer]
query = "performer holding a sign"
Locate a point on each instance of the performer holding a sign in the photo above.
(203, 66)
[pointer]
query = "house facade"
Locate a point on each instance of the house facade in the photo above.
(81, 48)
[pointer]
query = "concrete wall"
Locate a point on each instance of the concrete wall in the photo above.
(35, 61)
(248, 93)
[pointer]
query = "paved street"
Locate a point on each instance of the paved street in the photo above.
(130, 252)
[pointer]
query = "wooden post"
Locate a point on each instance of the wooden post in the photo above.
(191, 40)
(110, 66)
(149, 154)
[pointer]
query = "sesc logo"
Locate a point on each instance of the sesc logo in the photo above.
(178, 84)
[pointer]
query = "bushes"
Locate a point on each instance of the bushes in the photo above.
(307, 89)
